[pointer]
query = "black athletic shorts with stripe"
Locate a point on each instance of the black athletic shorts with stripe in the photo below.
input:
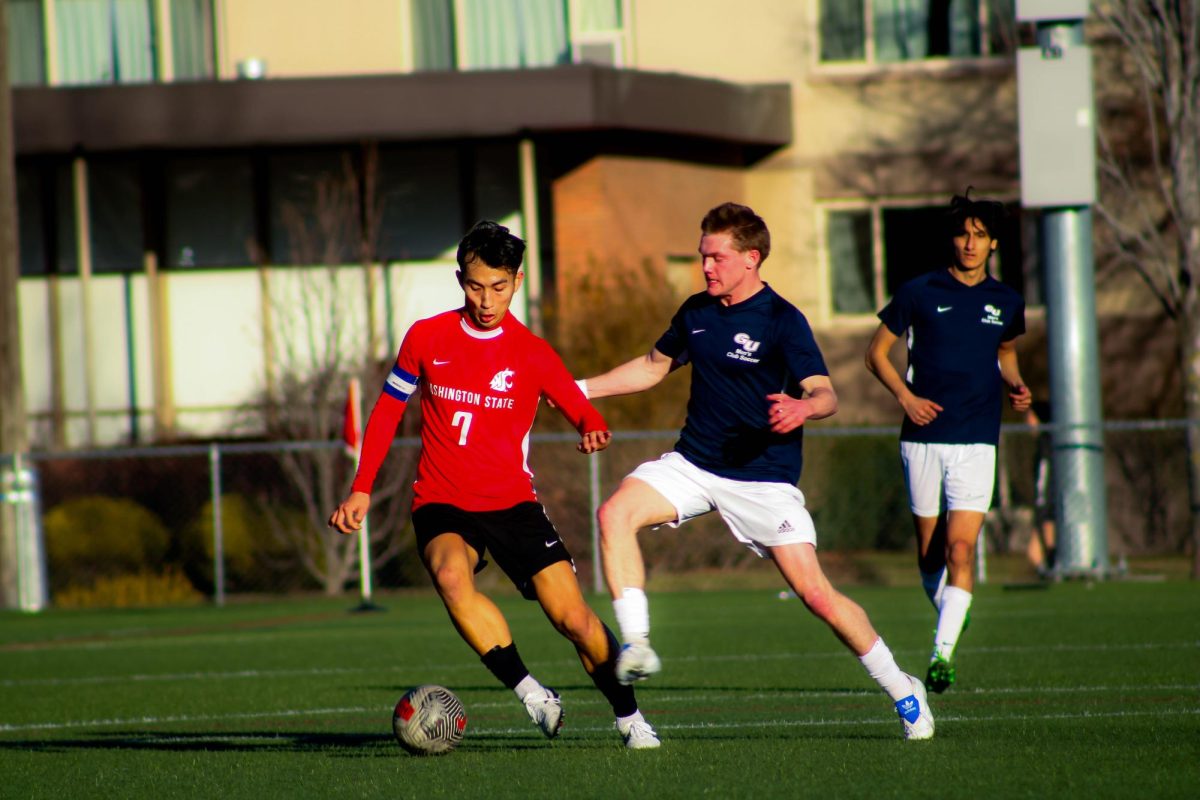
(521, 540)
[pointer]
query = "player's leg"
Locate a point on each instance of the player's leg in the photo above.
(451, 561)
(799, 566)
(558, 592)
(923, 475)
(970, 477)
(635, 505)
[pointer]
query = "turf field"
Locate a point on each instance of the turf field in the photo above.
(1078, 690)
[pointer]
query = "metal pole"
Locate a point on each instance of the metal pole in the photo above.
(527, 165)
(1078, 459)
(214, 467)
(594, 506)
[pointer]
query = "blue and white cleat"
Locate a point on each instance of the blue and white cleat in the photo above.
(915, 713)
(636, 661)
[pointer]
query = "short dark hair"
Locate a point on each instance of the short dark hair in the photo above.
(746, 229)
(491, 243)
(990, 214)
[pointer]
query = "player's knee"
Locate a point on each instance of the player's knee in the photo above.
(576, 623)
(452, 582)
(819, 600)
(615, 518)
(961, 554)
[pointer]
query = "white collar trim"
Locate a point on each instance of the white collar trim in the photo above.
(478, 334)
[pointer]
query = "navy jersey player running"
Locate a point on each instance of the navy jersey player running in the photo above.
(757, 376)
(962, 325)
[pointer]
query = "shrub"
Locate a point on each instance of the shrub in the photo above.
(91, 537)
(247, 544)
(137, 590)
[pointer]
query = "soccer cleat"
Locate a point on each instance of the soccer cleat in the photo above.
(940, 676)
(635, 662)
(545, 709)
(915, 713)
(638, 735)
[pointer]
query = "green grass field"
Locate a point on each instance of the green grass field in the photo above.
(1079, 690)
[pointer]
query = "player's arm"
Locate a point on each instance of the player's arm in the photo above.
(1019, 396)
(377, 440)
(818, 402)
(633, 376)
(920, 410)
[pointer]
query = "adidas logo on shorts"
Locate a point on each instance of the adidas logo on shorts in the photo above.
(786, 527)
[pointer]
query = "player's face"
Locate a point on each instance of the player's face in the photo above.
(488, 292)
(728, 273)
(973, 245)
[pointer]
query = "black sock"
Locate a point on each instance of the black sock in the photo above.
(620, 697)
(506, 664)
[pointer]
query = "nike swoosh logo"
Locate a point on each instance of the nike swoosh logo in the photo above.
(941, 310)
(438, 363)
(551, 543)
(700, 330)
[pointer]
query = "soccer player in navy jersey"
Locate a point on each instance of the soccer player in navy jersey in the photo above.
(481, 374)
(962, 327)
(757, 377)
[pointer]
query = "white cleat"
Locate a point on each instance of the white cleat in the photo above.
(636, 661)
(638, 735)
(915, 713)
(545, 709)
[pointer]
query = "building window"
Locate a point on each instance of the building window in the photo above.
(209, 211)
(513, 34)
(420, 202)
(115, 209)
(315, 207)
(895, 31)
(872, 250)
(105, 41)
(26, 54)
(192, 48)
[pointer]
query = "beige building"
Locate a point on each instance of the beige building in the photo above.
(188, 168)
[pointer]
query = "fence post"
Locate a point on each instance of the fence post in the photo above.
(594, 506)
(214, 466)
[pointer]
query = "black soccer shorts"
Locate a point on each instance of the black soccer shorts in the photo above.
(521, 540)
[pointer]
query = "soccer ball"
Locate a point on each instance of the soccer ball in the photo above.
(429, 720)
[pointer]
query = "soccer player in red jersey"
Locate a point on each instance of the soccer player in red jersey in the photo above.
(481, 374)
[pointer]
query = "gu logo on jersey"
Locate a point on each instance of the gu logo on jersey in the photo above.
(993, 315)
(502, 380)
(746, 348)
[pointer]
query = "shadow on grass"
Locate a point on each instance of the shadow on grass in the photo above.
(342, 745)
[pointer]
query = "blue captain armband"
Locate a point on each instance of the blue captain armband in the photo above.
(400, 384)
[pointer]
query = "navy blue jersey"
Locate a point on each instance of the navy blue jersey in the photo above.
(739, 355)
(954, 332)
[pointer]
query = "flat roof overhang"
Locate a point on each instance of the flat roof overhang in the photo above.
(419, 106)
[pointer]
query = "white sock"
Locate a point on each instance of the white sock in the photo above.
(623, 723)
(955, 604)
(881, 665)
(934, 584)
(633, 615)
(528, 685)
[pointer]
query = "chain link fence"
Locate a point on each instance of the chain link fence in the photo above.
(222, 521)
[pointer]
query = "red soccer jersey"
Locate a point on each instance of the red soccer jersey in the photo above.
(479, 394)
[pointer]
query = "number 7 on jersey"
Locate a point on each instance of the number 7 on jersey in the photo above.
(463, 418)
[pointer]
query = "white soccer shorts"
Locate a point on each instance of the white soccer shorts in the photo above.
(759, 514)
(965, 474)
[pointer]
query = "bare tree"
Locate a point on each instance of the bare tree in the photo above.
(1150, 181)
(321, 335)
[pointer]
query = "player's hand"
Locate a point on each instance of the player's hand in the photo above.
(786, 413)
(920, 410)
(349, 516)
(594, 441)
(1020, 397)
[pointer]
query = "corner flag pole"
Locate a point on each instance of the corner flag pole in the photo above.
(352, 437)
